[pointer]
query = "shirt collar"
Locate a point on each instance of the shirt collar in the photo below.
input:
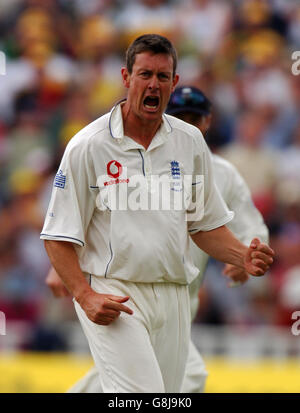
(116, 122)
(117, 131)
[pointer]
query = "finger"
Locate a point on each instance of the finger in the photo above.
(109, 312)
(118, 298)
(262, 256)
(254, 243)
(256, 271)
(260, 264)
(118, 307)
(266, 249)
(106, 319)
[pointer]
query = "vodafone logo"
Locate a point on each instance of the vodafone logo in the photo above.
(114, 169)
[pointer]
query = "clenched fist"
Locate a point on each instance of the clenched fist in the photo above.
(258, 258)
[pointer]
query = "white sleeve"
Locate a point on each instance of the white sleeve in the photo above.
(248, 222)
(72, 200)
(213, 211)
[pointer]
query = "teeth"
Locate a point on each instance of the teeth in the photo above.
(150, 107)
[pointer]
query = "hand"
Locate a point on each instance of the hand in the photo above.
(236, 274)
(258, 258)
(103, 309)
(55, 284)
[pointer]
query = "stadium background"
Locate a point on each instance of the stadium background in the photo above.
(63, 60)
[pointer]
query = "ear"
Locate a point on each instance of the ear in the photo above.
(174, 82)
(125, 77)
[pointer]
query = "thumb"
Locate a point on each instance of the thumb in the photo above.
(254, 243)
(119, 299)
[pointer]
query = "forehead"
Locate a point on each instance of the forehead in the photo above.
(154, 62)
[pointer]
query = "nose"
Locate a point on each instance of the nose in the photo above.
(153, 83)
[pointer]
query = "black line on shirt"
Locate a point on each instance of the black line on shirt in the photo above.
(63, 236)
(106, 205)
(168, 122)
(143, 166)
(111, 256)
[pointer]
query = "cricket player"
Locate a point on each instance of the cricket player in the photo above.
(110, 253)
(191, 105)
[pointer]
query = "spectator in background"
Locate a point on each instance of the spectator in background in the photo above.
(288, 175)
(203, 25)
(146, 16)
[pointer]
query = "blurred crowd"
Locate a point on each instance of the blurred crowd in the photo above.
(63, 60)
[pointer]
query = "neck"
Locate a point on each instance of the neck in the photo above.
(140, 130)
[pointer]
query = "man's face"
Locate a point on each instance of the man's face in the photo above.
(149, 85)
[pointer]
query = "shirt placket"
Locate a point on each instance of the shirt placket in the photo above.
(148, 169)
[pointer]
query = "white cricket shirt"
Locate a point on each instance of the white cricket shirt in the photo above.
(246, 224)
(132, 244)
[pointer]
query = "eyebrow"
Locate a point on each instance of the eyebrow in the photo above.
(151, 71)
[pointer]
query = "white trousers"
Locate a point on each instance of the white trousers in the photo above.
(195, 372)
(145, 352)
(194, 378)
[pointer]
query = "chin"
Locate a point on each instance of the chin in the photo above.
(152, 115)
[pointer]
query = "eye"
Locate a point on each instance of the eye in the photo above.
(163, 76)
(145, 74)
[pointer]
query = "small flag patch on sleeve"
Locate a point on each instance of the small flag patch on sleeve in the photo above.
(60, 180)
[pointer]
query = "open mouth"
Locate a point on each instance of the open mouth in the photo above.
(151, 102)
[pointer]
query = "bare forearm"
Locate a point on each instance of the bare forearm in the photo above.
(220, 243)
(102, 309)
(65, 261)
